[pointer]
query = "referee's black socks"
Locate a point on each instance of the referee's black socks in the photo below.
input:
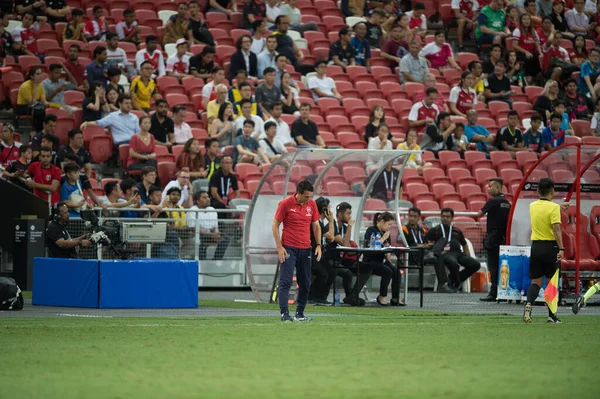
(532, 293)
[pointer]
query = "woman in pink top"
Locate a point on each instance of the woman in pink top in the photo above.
(439, 53)
(142, 147)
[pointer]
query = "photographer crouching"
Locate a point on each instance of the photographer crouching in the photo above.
(58, 240)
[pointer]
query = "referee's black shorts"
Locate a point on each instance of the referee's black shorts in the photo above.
(542, 261)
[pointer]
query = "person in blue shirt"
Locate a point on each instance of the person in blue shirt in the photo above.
(560, 108)
(97, 70)
(362, 49)
(553, 135)
(589, 73)
(478, 134)
(532, 138)
(72, 187)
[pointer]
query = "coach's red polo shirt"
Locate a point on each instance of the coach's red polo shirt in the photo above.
(296, 221)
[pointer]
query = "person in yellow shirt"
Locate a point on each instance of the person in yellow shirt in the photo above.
(212, 108)
(31, 92)
(476, 69)
(415, 161)
(143, 88)
(546, 244)
(75, 29)
(171, 200)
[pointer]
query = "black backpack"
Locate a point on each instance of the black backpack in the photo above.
(10, 295)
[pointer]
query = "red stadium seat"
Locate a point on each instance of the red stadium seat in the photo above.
(456, 173)
(457, 206)
(435, 175)
(581, 128)
(444, 190)
(166, 172)
(484, 175)
(503, 158)
(510, 176)
(101, 148)
(426, 205)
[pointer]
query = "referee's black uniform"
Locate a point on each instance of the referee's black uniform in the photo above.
(497, 210)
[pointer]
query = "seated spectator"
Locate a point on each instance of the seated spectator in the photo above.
(76, 148)
(341, 52)
(128, 29)
(208, 226)
(395, 48)
(86, 185)
(417, 21)
(257, 129)
(465, 16)
(55, 88)
(290, 10)
(191, 159)
(246, 148)
(413, 67)
(123, 124)
(430, 82)
(375, 34)
(532, 139)
(362, 50)
(392, 14)
(490, 63)
(182, 132)
(212, 160)
(153, 55)
(513, 69)
(31, 98)
(424, 112)
(182, 182)
(50, 141)
(245, 93)
(221, 181)
(198, 32)
(258, 37)
(244, 59)
(7, 40)
(212, 108)
(287, 47)
(552, 134)
(590, 69)
(75, 30)
(595, 23)
(116, 56)
(70, 190)
(379, 142)
(131, 193)
(234, 95)
(208, 91)
(476, 70)
(267, 93)
(96, 28)
(439, 53)
(578, 105)
(162, 127)
(223, 127)
(113, 198)
(560, 108)
(266, 59)
(451, 256)
(544, 105)
(143, 88)
(509, 137)
(531, 11)
(283, 134)
(384, 188)
(178, 225)
(114, 77)
(462, 96)
(57, 11)
(305, 131)
(281, 63)
(577, 20)
(255, 10)
(24, 37)
(354, 8)
(142, 147)
(94, 105)
(45, 177)
(415, 161)
(478, 134)
(148, 181)
(458, 141)
(556, 62)
(290, 98)
(9, 148)
(16, 170)
(579, 53)
(177, 25)
(272, 148)
(527, 45)
(96, 70)
(74, 70)
(322, 86)
(491, 24)
(225, 6)
(437, 133)
(376, 119)
(546, 31)
(558, 18)
(202, 65)
(47, 128)
(498, 87)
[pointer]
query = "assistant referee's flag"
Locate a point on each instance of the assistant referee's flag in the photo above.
(551, 293)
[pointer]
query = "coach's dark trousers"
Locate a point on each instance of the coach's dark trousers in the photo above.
(493, 257)
(300, 259)
(454, 260)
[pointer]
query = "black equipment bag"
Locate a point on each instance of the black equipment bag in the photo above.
(10, 295)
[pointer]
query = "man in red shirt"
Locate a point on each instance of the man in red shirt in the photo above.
(9, 148)
(424, 112)
(75, 71)
(44, 177)
(297, 213)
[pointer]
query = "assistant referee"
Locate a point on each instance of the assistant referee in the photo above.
(546, 244)
(298, 213)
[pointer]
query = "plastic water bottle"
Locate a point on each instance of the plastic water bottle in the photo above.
(336, 297)
(372, 241)
(378, 241)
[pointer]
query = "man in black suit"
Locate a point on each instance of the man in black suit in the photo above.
(243, 59)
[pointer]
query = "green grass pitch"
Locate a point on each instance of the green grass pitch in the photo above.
(364, 353)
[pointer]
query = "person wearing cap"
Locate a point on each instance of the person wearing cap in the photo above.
(143, 88)
(178, 65)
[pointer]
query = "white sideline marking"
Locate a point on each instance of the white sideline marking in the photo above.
(83, 315)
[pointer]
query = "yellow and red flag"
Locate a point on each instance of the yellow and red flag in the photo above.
(551, 293)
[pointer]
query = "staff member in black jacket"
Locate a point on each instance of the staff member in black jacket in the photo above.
(243, 59)
(497, 208)
(58, 240)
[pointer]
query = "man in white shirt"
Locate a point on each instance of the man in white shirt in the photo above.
(272, 13)
(183, 183)
(246, 106)
(272, 148)
(128, 29)
(322, 86)
(208, 226)
(258, 38)
(178, 65)
(115, 56)
(284, 135)
(379, 142)
(152, 54)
